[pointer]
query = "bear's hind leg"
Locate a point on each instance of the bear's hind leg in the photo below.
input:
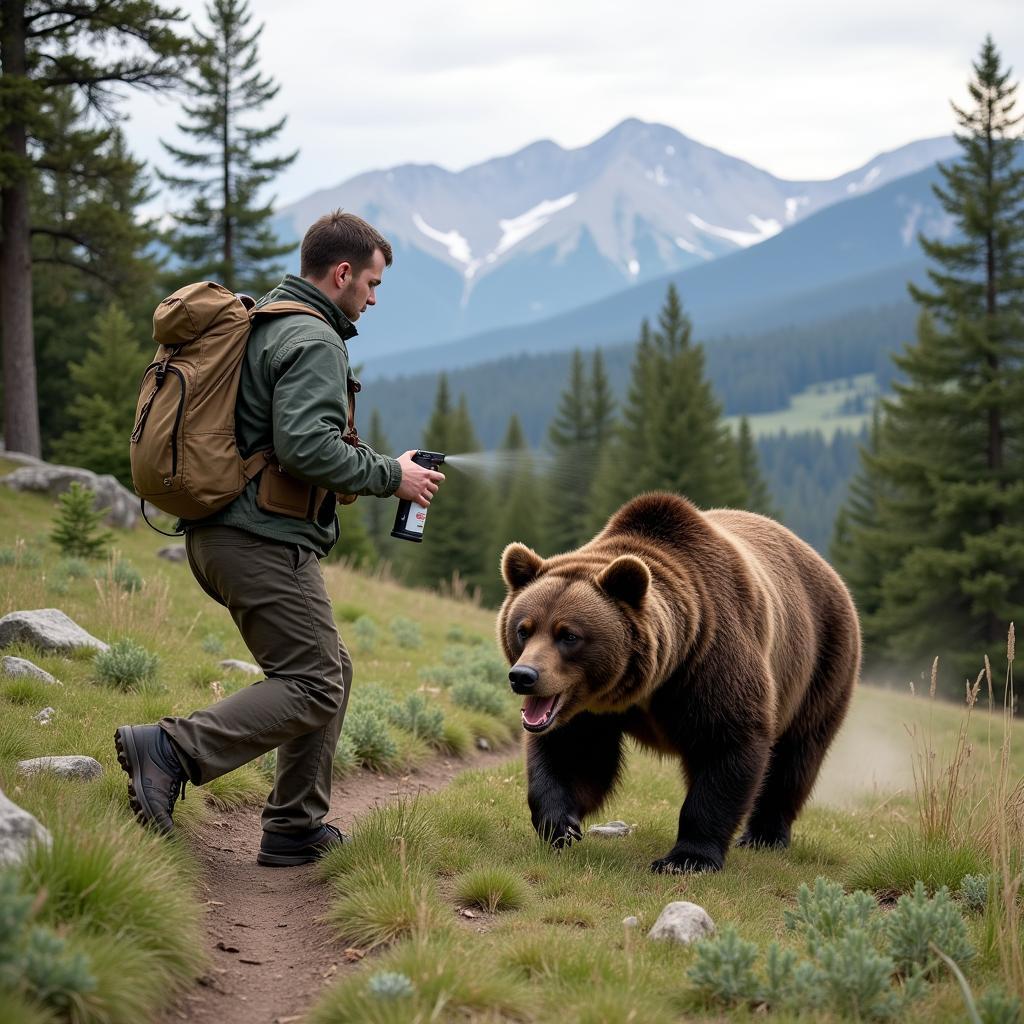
(570, 771)
(795, 760)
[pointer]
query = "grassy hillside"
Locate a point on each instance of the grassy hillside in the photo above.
(120, 897)
(462, 913)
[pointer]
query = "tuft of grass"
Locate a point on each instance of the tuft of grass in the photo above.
(493, 889)
(444, 984)
(125, 898)
(456, 739)
(26, 691)
(908, 857)
(243, 787)
(487, 727)
(346, 611)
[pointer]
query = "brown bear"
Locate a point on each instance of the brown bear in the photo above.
(719, 637)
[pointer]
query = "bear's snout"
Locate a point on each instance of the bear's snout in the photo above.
(523, 678)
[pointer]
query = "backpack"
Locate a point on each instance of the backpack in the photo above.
(184, 452)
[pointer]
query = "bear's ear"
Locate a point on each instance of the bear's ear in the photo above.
(520, 565)
(626, 579)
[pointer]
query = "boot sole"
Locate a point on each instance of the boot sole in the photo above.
(128, 758)
(285, 860)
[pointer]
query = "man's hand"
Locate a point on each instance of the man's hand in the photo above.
(418, 483)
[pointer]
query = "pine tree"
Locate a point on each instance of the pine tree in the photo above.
(48, 47)
(379, 516)
(77, 529)
(103, 395)
(758, 497)
(226, 234)
(672, 435)
(90, 247)
(948, 477)
(518, 507)
(568, 483)
(456, 537)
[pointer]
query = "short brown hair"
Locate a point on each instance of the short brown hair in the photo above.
(338, 237)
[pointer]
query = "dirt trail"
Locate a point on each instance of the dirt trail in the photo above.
(270, 955)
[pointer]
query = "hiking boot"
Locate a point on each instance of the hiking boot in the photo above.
(155, 777)
(278, 850)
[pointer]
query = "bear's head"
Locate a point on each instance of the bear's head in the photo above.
(569, 628)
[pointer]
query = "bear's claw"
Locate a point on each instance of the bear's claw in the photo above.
(687, 864)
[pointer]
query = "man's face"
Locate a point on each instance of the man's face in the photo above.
(357, 288)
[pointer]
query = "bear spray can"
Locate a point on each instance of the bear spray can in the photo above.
(411, 518)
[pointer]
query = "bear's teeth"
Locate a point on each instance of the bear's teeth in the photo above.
(537, 710)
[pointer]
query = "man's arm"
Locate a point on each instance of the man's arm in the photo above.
(310, 412)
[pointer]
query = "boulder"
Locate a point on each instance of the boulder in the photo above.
(67, 766)
(43, 717)
(47, 478)
(18, 830)
(47, 629)
(173, 553)
(682, 922)
(234, 665)
(22, 668)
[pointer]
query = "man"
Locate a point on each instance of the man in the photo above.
(264, 566)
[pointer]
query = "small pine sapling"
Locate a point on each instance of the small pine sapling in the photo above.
(76, 530)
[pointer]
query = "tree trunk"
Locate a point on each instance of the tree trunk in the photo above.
(21, 407)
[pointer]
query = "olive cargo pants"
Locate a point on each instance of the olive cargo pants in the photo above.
(276, 595)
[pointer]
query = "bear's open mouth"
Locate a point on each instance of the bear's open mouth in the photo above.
(538, 712)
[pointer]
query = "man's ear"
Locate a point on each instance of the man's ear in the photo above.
(520, 565)
(626, 579)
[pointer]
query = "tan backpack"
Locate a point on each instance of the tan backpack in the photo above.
(184, 453)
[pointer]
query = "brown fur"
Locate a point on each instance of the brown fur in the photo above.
(719, 637)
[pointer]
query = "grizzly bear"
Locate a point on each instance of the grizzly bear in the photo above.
(719, 637)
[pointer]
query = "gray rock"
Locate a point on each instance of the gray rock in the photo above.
(68, 766)
(482, 744)
(43, 717)
(47, 629)
(610, 829)
(682, 922)
(173, 553)
(46, 478)
(18, 830)
(22, 668)
(234, 665)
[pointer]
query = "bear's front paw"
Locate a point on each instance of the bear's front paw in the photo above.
(760, 838)
(561, 833)
(686, 862)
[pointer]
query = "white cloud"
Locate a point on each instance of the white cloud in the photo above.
(804, 90)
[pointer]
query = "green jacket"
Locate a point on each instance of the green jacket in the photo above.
(293, 397)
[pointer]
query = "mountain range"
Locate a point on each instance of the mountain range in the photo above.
(522, 240)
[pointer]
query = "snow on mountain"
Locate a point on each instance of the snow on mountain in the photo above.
(544, 229)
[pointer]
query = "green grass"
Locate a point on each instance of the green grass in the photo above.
(125, 898)
(559, 931)
(818, 407)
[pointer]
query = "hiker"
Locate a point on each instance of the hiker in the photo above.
(259, 555)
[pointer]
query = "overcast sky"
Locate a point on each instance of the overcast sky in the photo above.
(802, 89)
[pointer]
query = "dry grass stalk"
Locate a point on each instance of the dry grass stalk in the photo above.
(947, 799)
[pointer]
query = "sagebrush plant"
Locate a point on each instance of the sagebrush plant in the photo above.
(974, 891)
(389, 985)
(346, 759)
(126, 576)
(406, 632)
(126, 665)
(420, 718)
(367, 732)
(33, 959)
(478, 697)
(365, 634)
(212, 644)
(77, 528)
